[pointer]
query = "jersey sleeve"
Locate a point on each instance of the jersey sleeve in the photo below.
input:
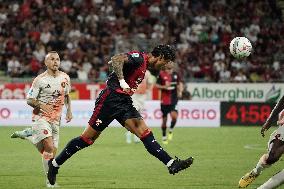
(34, 90)
(135, 59)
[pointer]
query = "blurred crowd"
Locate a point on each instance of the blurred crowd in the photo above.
(86, 33)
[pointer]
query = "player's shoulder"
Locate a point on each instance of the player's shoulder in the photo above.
(64, 74)
(136, 54)
(40, 76)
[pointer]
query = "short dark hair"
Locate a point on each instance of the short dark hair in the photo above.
(166, 51)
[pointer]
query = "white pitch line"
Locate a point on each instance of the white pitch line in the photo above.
(254, 147)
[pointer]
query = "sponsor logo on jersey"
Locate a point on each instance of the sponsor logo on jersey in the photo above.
(98, 122)
(47, 86)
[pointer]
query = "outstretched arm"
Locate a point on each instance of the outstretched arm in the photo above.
(273, 115)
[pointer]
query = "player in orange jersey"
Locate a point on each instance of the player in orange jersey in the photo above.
(48, 93)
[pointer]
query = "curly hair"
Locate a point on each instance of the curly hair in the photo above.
(166, 51)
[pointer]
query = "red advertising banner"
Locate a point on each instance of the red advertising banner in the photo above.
(79, 91)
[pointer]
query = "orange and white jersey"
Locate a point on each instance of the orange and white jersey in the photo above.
(143, 90)
(50, 90)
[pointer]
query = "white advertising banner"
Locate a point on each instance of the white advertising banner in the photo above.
(236, 92)
(191, 114)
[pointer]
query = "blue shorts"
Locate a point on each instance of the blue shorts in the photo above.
(166, 109)
(111, 105)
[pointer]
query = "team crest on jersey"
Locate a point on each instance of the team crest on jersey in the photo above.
(175, 76)
(45, 132)
(98, 122)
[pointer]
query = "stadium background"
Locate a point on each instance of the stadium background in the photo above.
(86, 33)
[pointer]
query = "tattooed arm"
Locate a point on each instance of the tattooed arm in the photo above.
(117, 62)
(273, 115)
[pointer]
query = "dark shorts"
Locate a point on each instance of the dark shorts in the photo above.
(111, 105)
(166, 109)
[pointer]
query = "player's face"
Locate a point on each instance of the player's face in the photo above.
(52, 61)
(169, 67)
(160, 63)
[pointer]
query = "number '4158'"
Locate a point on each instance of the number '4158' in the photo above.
(248, 113)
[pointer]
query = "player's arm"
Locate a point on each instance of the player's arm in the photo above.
(32, 98)
(179, 89)
(33, 103)
(273, 115)
(67, 101)
(164, 87)
(180, 86)
(117, 62)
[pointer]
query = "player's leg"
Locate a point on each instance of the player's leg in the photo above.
(174, 115)
(275, 181)
(23, 134)
(164, 109)
(139, 128)
(276, 149)
(86, 139)
(99, 120)
(128, 135)
(164, 129)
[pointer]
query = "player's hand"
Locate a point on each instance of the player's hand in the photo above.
(125, 87)
(69, 116)
(46, 108)
(167, 86)
(262, 131)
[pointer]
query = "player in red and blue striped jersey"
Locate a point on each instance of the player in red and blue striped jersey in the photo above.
(115, 102)
(171, 89)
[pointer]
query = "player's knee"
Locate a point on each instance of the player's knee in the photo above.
(88, 140)
(272, 158)
(48, 146)
(47, 155)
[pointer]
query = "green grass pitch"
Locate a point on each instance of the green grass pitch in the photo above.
(220, 160)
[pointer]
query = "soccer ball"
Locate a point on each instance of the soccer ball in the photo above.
(240, 47)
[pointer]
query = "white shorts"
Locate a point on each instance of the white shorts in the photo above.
(277, 134)
(43, 129)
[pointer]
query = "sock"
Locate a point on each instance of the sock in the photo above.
(173, 123)
(154, 148)
(45, 165)
(260, 166)
(274, 181)
(71, 148)
(164, 131)
(128, 137)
